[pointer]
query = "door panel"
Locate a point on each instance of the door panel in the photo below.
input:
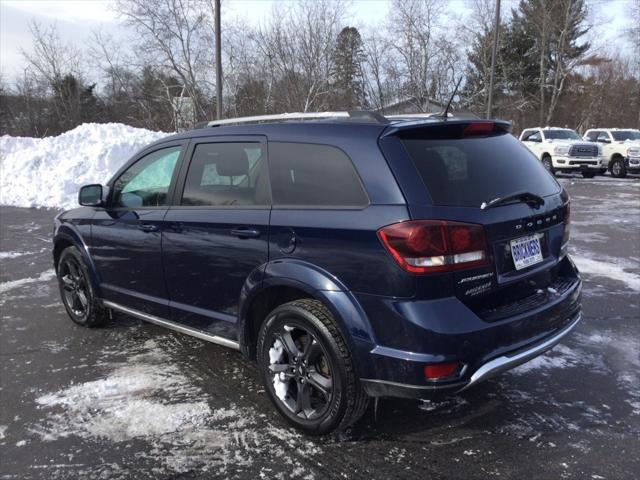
(207, 263)
(218, 232)
(126, 249)
(126, 236)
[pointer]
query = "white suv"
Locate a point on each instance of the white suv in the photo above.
(621, 148)
(563, 150)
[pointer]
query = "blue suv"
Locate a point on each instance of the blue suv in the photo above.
(349, 256)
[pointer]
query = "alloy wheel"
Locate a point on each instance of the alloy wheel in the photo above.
(74, 287)
(300, 371)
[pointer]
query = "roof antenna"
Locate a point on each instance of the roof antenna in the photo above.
(445, 114)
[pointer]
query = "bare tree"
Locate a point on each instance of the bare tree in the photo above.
(298, 43)
(172, 35)
(376, 68)
(50, 57)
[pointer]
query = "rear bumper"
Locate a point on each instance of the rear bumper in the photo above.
(446, 330)
(486, 371)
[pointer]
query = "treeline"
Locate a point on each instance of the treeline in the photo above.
(308, 56)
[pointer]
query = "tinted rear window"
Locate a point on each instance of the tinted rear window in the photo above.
(465, 172)
(313, 175)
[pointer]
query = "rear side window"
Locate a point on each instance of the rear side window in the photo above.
(465, 172)
(226, 174)
(313, 175)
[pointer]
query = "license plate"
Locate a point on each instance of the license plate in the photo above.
(526, 251)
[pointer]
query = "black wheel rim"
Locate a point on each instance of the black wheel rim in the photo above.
(74, 287)
(300, 372)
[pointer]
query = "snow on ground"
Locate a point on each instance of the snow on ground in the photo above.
(12, 284)
(148, 397)
(615, 271)
(48, 172)
(4, 255)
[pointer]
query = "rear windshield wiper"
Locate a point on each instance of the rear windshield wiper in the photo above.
(531, 199)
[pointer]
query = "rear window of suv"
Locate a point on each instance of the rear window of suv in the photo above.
(465, 172)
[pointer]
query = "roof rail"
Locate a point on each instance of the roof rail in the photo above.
(354, 115)
(410, 116)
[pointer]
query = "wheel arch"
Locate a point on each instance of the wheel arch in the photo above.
(67, 237)
(286, 280)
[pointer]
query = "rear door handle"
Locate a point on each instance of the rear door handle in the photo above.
(245, 233)
(148, 227)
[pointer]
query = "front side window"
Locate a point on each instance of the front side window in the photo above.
(226, 174)
(591, 136)
(146, 182)
(313, 175)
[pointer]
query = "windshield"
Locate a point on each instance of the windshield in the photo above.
(561, 135)
(465, 172)
(622, 135)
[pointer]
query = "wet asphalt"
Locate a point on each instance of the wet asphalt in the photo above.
(132, 400)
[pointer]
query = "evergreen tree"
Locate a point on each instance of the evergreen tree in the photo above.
(347, 73)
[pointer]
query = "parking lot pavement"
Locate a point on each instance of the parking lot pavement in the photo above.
(132, 400)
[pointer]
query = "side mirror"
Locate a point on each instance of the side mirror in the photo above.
(91, 195)
(603, 140)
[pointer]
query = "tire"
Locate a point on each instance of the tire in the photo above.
(617, 168)
(588, 174)
(548, 164)
(307, 368)
(76, 291)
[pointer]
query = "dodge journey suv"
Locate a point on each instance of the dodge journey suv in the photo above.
(349, 255)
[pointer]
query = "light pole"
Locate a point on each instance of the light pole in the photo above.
(218, 62)
(494, 49)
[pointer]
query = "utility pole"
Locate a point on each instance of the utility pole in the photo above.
(496, 27)
(218, 62)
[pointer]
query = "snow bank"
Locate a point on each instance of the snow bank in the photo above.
(48, 172)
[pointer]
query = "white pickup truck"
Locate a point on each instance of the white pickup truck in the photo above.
(621, 149)
(563, 150)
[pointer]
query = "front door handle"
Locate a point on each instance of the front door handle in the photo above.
(245, 233)
(148, 227)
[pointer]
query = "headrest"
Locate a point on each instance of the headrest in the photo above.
(231, 161)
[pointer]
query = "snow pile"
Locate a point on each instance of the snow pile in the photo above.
(48, 172)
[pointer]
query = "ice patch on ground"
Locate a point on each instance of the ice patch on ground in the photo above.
(48, 172)
(125, 400)
(611, 270)
(147, 397)
(13, 284)
(3, 428)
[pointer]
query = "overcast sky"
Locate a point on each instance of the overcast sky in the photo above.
(76, 19)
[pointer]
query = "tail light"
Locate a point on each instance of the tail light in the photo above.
(478, 129)
(567, 221)
(440, 370)
(429, 246)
